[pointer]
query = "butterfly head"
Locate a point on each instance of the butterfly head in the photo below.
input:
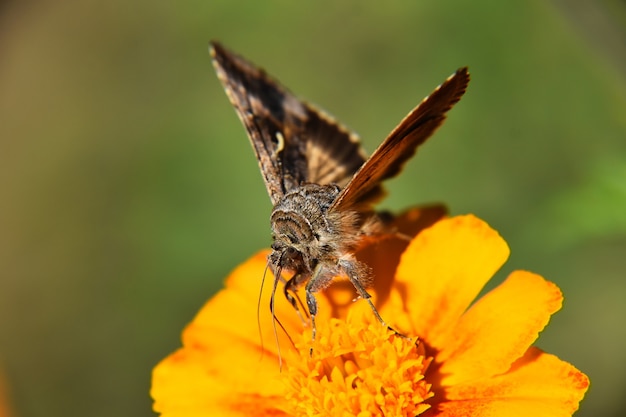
(303, 229)
(293, 241)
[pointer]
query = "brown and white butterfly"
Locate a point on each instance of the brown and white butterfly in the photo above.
(322, 185)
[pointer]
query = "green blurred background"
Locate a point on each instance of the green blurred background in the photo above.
(129, 189)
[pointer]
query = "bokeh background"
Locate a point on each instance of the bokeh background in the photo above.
(129, 189)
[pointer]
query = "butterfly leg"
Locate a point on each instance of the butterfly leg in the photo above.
(311, 303)
(291, 294)
(355, 272)
(315, 283)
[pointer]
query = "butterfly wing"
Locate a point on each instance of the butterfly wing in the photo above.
(401, 144)
(294, 142)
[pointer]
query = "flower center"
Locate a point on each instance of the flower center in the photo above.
(357, 369)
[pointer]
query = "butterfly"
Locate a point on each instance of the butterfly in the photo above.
(321, 183)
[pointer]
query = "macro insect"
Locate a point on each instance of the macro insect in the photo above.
(319, 180)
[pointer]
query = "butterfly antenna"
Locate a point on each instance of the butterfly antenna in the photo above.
(278, 273)
(293, 344)
(275, 320)
(258, 309)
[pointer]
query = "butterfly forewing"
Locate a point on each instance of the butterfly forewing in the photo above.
(294, 142)
(401, 144)
(334, 154)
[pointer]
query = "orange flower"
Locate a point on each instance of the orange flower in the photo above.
(461, 360)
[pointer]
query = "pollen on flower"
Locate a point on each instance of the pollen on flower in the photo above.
(357, 370)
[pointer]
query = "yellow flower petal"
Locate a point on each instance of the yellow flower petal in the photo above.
(443, 270)
(498, 329)
(187, 384)
(538, 385)
(6, 408)
(246, 313)
(223, 360)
